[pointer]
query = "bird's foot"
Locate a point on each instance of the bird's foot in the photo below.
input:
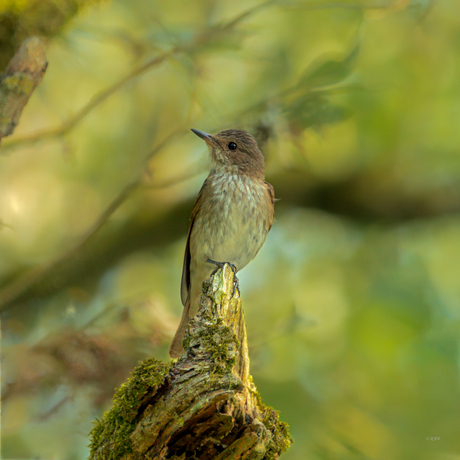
(236, 283)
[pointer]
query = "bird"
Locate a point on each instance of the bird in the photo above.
(230, 220)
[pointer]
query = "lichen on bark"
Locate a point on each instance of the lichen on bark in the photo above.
(22, 75)
(203, 406)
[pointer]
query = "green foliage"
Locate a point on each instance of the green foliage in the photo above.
(310, 106)
(314, 110)
(352, 305)
(326, 72)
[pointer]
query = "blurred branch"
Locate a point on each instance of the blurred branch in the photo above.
(201, 39)
(204, 406)
(189, 174)
(91, 105)
(70, 359)
(24, 282)
(22, 75)
(428, 8)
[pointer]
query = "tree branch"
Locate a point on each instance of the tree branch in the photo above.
(202, 38)
(22, 75)
(207, 36)
(205, 405)
(24, 282)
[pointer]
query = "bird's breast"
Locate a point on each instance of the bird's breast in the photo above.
(233, 220)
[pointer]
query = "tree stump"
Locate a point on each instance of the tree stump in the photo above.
(205, 405)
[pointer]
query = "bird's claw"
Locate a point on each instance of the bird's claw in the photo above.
(219, 265)
(236, 285)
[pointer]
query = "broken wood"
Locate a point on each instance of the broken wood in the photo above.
(203, 406)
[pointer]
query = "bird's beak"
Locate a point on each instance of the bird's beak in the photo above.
(210, 140)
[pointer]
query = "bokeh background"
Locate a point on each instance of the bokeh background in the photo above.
(352, 305)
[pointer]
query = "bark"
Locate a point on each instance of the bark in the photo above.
(203, 406)
(22, 75)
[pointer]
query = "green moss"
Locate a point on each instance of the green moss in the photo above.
(18, 83)
(220, 343)
(254, 392)
(110, 437)
(281, 439)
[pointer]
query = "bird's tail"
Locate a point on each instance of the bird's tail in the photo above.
(176, 348)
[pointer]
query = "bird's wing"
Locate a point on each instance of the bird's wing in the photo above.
(271, 193)
(185, 282)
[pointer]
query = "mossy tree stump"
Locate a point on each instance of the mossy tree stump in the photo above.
(204, 406)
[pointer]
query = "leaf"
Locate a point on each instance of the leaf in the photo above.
(314, 110)
(329, 71)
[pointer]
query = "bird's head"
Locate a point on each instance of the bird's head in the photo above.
(234, 151)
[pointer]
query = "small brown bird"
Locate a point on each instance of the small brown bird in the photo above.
(230, 220)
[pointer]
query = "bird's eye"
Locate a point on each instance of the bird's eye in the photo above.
(232, 146)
